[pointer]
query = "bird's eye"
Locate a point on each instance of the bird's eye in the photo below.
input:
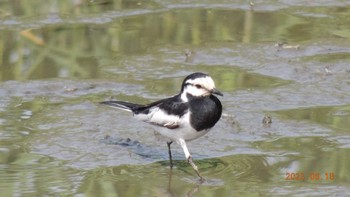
(198, 86)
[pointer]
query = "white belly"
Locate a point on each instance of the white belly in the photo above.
(185, 133)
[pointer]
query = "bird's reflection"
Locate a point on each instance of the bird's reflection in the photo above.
(190, 193)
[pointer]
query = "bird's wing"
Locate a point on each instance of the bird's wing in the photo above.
(166, 113)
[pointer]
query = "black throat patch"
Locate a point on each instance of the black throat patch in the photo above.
(205, 111)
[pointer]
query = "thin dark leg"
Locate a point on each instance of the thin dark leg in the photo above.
(169, 151)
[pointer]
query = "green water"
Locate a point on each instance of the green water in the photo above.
(58, 59)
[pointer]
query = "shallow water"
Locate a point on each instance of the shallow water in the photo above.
(59, 59)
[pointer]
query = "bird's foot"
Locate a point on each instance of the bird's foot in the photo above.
(195, 168)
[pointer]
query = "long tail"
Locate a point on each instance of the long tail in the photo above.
(126, 106)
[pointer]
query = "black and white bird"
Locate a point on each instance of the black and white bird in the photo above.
(183, 117)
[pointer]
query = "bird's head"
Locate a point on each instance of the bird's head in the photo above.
(198, 84)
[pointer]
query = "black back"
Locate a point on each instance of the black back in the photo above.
(172, 105)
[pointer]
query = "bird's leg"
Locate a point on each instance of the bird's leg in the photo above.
(189, 159)
(169, 151)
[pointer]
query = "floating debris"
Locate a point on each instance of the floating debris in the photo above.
(251, 5)
(230, 118)
(267, 120)
(70, 89)
(285, 45)
(32, 37)
(328, 70)
(189, 56)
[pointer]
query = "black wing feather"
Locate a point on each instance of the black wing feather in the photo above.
(172, 106)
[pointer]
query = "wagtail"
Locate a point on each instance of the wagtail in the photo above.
(183, 117)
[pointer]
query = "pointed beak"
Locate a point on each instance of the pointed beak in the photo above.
(217, 92)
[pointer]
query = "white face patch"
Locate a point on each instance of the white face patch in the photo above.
(198, 87)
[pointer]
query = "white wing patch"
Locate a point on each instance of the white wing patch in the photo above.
(170, 122)
(159, 117)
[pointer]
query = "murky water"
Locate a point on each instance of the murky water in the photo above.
(59, 59)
